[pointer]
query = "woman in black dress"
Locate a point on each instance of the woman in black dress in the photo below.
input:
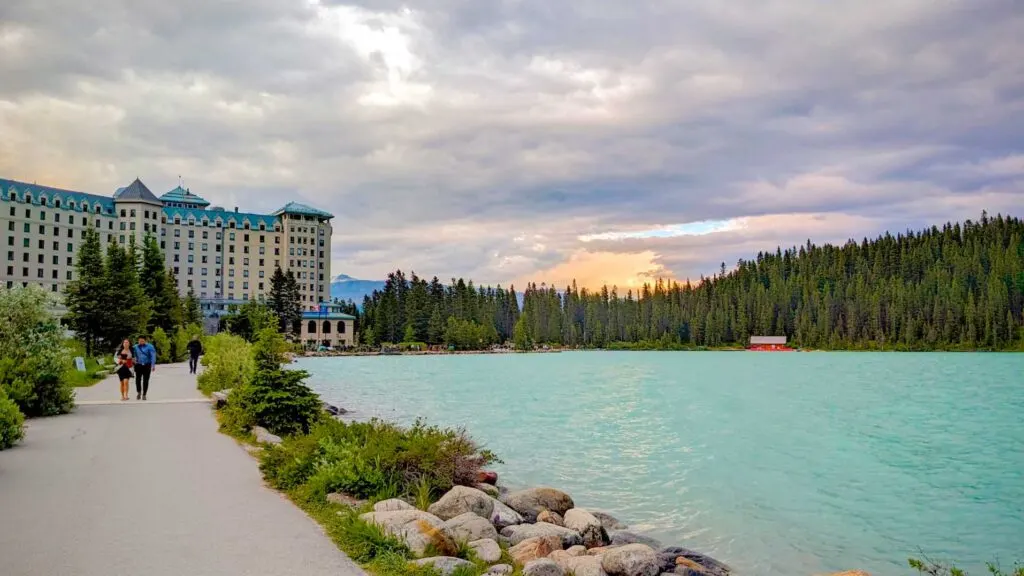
(125, 360)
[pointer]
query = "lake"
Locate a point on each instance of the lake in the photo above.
(777, 463)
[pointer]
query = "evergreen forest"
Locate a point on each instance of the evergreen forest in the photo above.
(955, 287)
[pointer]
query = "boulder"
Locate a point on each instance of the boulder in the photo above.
(686, 567)
(419, 530)
(533, 501)
(560, 557)
(588, 526)
(487, 550)
(600, 550)
(469, 527)
(623, 537)
(444, 565)
(462, 499)
(631, 560)
(263, 436)
(577, 551)
(489, 489)
(502, 516)
(534, 548)
(585, 566)
(669, 559)
(522, 532)
(392, 505)
(542, 567)
(220, 399)
(500, 570)
(549, 517)
(345, 500)
(608, 522)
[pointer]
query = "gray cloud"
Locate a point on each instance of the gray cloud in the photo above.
(446, 133)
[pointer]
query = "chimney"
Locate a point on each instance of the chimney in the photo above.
(236, 209)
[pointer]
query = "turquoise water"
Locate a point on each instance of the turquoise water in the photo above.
(789, 464)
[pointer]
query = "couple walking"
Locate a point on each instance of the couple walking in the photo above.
(141, 358)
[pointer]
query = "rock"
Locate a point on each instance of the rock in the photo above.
(502, 516)
(445, 565)
(533, 501)
(392, 505)
(631, 560)
(608, 522)
(419, 530)
(521, 532)
(534, 548)
(469, 527)
(600, 550)
(542, 567)
(560, 557)
(623, 537)
(577, 551)
(487, 550)
(549, 517)
(263, 436)
(685, 567)
(489, 489)
(345, 500)
(588, 526)
(462, 499)
(220, 399)
(500, 570)
(585, 566)
(669, 557)
(487, 477)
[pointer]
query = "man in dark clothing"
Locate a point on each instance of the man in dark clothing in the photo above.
(145, 363)
(195, 349)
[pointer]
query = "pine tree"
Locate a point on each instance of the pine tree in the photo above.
(86, 295)
(285, 300)
(191, 311)
(125, 303)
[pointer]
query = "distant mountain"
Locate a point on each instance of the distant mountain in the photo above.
(345, 287)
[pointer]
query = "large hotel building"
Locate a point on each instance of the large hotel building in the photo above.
(225, 257)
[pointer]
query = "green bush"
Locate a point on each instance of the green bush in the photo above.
(162, 343)
(275, 398)
(932, 568)
(374, 460)
(34, 360)
(228, 363)
(12, 422)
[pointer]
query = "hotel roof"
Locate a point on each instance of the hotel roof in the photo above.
(136, 191)
(298, 208)
(20, 190)
(184, 196)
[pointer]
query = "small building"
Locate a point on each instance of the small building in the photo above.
(329, 327)
(768, 343)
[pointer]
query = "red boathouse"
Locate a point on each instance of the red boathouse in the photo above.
(769, 344)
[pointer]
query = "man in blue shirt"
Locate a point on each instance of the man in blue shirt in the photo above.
(145, 363)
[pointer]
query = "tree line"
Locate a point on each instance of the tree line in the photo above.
(125, 293)
(960, 286)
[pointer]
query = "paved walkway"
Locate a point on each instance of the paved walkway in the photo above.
(148, 488)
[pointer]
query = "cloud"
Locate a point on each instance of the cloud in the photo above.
(441, 131)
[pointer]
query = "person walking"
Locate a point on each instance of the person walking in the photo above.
(125, 358)
(145, 363)
(195, 349)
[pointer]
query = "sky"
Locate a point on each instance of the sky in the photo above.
(514, 141)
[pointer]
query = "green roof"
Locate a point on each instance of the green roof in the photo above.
(297, 208)
(183, 196)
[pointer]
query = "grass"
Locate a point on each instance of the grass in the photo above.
(87, 378)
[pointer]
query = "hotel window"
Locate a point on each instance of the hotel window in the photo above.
(205, 234)
(110, 225)
(204, 259)
(131, 225)
(189, 270)
(217, 260)
(39, 273)
(71, 218)
(277, 239)
(42, 215)
(231, 284)
(218, 237)
(231, 248)
(177, 270)
(245, 261)
(54, 274)
(245, 286)
(71, 247)
(177, 258)
(261, 285)
(189, 282)
(24, 243)
(216, 272)
(245, 237)
(42, 229)
(146, 215)
(231, 260)
(71, 233)
(202, 271)
(42, 244)
(231, 236)
(28, 213)
(121, 240)
(245, 273)
(191, 258)
(177, 233)
(122, 213)
(263, 240)
(277, 251)
(69, 275)
(163, 245)
(191, 233)
(261, 273)
(231, 272)
(56, 217)
(263, 250)
(177, 245)
(202, 283)
(28, 228)
(191, 245)
(133, 213)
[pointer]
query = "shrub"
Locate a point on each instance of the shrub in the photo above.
(276, 398)
(33, 358)
(162, 343)
(932, 568)
(374, 460)
(12, 422)
(228, 362)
